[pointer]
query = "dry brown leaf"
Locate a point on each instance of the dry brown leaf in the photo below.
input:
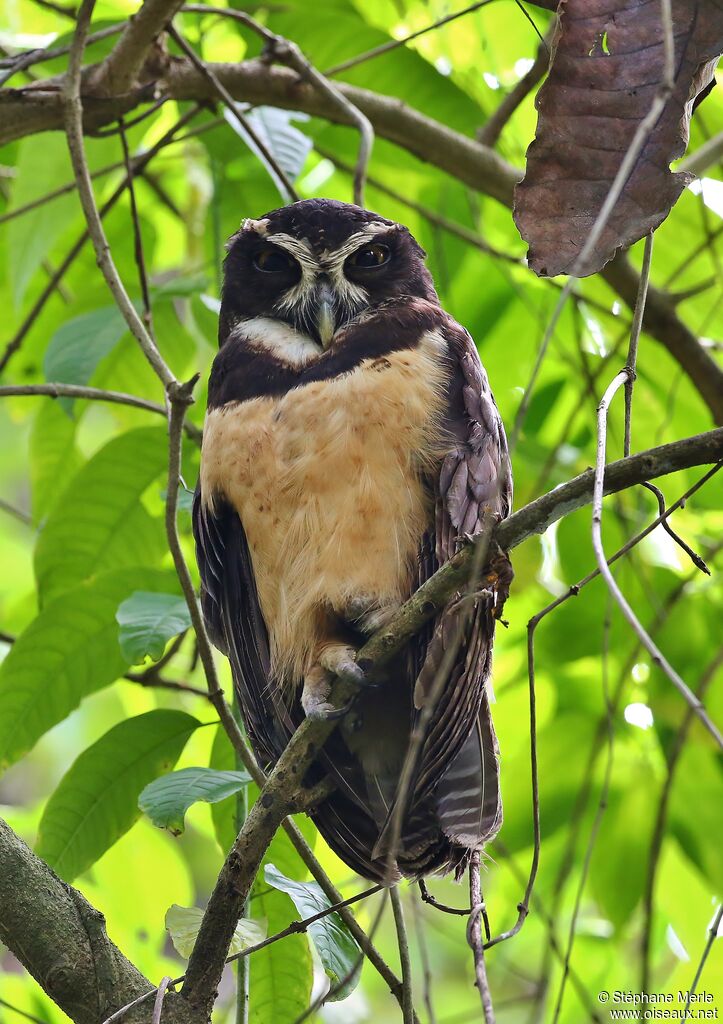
(607, 68)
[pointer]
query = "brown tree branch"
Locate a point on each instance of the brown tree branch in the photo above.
(276, 800)
(121, 68)
(703, 449)
(61, 941)
(37, 108)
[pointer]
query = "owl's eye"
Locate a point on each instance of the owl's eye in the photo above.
(274, 261)
(369, 257)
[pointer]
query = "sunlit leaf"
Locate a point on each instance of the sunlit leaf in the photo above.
(288, 146)
(54, 457)
(79, 344)
(148, 621)
(43, 162)
(183, 924)
(167, 799)
(69, 651)
(96, 801)
(99, 522)
(337, 950)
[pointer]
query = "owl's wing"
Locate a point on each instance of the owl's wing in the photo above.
(460, 756)
(236, 626)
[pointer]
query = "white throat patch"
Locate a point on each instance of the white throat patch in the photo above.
(278, 338)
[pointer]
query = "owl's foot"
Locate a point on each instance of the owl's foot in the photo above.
(314, 696)
(340, 660)
(367, 615)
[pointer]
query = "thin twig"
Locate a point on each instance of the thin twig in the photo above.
(474, 938)
(695, 558)
(404, 958)
(289, 53)
(16, 513)
(393, 44)
(22, 1013)
(712, 936)
(490, 132)
(573, 591)
(597, 822)
(433, 902)
(632, 359)
(137, 236)
(232, 106)
(612, 585)
(73, 116)
(84, 391)
(627, 165)
(656, 842)
(549, 921)
(427, 976)
(26, 60)
(158, 1005)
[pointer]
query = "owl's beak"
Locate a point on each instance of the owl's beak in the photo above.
(325, 313)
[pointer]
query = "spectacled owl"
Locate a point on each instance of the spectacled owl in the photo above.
(351, 445)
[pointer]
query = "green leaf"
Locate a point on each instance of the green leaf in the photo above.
(99, 522)
(282, 972)
(223, 814)
(167, 799)
(96, 801)
(78, 346)
(43, 162)
(541, 404)
(68, 652)
(148, 621)
(289, 146)
(184, 923)
(53, 455)
(337, 950)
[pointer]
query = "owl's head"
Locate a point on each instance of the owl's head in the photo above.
(317, 264)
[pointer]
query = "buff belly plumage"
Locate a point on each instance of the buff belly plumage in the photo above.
(332, 502)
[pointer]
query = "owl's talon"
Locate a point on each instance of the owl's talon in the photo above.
(328, 713)
(340, 660)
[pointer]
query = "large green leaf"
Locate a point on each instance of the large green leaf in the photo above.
(167, 799)
(53, 455)
(148, 621)
(282, 972)
(69, 651)
(78, 345)
(43, 162)
(337, 950)
(99, 522)
(96, 801)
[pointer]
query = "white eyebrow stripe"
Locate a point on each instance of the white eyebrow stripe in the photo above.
(332, 258)
(298, 247)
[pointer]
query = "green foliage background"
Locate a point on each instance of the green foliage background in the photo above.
(88, 479)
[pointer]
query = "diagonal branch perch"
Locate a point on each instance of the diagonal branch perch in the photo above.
(276, 800)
